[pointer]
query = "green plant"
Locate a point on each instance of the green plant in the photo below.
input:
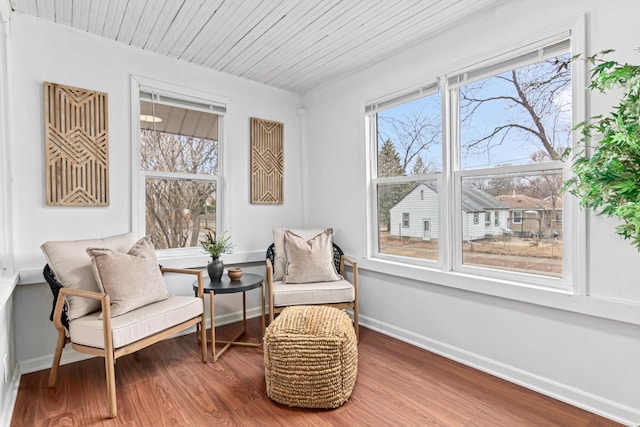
(216, 246)
(608, 180)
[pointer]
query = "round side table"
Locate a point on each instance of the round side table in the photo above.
(247, 282)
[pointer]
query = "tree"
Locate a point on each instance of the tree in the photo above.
(389, 194)
(174, 207)
(389, 163)
(413, 135)
(420, 168)
(533, 104)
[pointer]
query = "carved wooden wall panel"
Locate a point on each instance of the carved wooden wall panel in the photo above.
(76, 146)
(267, 161)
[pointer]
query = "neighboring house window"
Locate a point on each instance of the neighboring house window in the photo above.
(510, 123)
(405, 219)
(179, 166)
(517, 217)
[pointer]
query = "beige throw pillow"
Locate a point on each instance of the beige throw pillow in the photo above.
(71, 265)
(280, 258)
(131, 279)
(309, 260)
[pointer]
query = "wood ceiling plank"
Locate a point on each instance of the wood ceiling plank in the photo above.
(28, 7)
(181, 22)
(313, 34)
(221, 23)
(286, 29)
(150, 17)
(46, 9)
(240, 28)
(204, 16)
(64, 12)
(389, 43)
(291, 44)
(131, 20)
(80, 15)
(97, 16)
(272, 19)
(168, 13)
(328, 54)
(113, 18)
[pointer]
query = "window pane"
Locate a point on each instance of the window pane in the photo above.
(409, 138)
(408, 220)
(177, 211)
(527, 236)
(174, 139)
(520, 116)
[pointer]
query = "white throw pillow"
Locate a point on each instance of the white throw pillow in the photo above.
(310, 260)
(71, 266)
(280, 259)
(131, 279)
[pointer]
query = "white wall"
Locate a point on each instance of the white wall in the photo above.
(566, 346)
(53, 53)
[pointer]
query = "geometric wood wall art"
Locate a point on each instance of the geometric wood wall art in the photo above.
(76, 146)
(267, 161)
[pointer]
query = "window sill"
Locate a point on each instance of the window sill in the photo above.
(559, 299)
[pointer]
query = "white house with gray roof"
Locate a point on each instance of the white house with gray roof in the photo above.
(416, 215)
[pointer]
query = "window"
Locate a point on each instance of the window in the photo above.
(508, 124)
(405, 219)
(179, 167)
(517, 217)
(408, 165)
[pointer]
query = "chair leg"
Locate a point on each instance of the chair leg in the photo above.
(53, 374)
(202, 331)
(109, 365)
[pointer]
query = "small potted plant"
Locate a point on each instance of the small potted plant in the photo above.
(216, 246)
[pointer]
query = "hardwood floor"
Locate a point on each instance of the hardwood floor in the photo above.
(397, 385)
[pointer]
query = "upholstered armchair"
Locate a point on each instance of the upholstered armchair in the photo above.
(110, 300)
(305, 267)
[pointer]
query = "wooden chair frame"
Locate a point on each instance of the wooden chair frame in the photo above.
(109, 353)
(339, 259)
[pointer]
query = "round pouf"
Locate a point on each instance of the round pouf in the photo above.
(310, 357)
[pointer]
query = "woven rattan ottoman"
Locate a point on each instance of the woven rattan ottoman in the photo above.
(310, 357)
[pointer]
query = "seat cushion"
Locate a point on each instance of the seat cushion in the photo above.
(71, 264)
(131, 279)
(285, 294)
(136, 324)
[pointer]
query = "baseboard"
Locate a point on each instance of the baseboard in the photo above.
(10, 399)
(579, 398)
(71, 356)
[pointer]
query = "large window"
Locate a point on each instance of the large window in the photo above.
(408, 166)
(179, 166)
(507, 124)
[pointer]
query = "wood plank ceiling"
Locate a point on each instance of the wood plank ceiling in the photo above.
(295, 45)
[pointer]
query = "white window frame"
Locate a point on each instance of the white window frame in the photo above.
(448, 270)
(520, 217)
(406, 220)
(185, 98)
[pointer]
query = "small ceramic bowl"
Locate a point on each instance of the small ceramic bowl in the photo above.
(234, 273)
